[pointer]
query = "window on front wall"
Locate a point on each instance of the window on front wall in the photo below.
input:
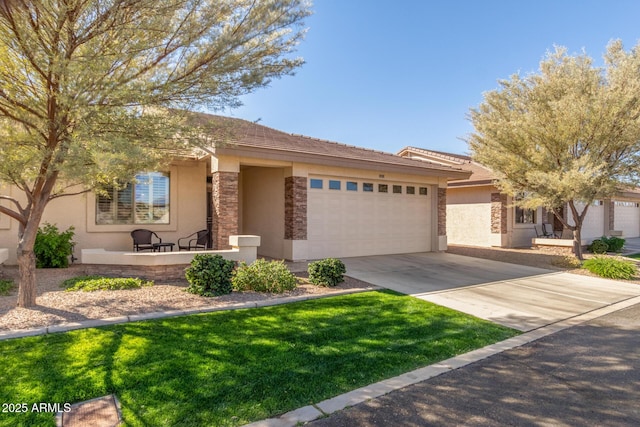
(523, 215)
(145, 201)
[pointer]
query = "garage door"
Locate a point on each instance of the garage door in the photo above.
(627, 218)
(358, 218)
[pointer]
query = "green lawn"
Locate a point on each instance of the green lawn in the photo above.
(635, 256)
(233, 367)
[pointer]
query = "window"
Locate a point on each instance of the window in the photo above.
(524, 216)
(411, 190)
(315, 183)
(626, 204)
(423, 191)
(367, 187)
(146, 201)
(352, 186)
(397, 189)
(383, 188)
(334, 185)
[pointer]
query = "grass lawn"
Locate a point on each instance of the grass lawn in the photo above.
(234, 367)
(635, 256)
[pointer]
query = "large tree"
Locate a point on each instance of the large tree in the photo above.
(92, 91)
(565, 136)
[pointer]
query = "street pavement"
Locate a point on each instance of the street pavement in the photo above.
(586, 375)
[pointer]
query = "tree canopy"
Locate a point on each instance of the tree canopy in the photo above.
(92, 91)
(565, 136)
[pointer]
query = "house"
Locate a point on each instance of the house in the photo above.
(306, 198)
(479, 215)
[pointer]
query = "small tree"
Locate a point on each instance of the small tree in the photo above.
(91, 90)
(566, 136)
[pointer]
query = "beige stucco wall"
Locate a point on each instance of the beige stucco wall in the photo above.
(469, 216)
(262, 211)
(187, 215)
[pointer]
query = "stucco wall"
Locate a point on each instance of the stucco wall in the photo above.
(188, 214)
(469, 216)
(263, 208)
(593, 225)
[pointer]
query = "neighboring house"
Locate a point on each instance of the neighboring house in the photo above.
(479, 215)
(307, 199)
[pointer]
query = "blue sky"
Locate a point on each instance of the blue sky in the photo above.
(387, 74)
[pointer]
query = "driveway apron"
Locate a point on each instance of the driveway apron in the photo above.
(520, 297)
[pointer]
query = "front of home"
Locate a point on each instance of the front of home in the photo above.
(478, 214)
(306, 199)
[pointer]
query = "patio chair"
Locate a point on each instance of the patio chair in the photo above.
(196, 241)
(547, 230)
(143, 240)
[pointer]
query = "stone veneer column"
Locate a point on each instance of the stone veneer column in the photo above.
(612, 217)
(442, 211)
(295, 208)
(225, 208)
(498, 213)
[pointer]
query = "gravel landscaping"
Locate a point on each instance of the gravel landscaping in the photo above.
(55, 306)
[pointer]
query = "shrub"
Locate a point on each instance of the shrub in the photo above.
(326, 272)
(52, 247)
(5, 287)
(209, 275)
(99, 283)
(614, 244)
(598, 247)
(611, 267)
(264, 276)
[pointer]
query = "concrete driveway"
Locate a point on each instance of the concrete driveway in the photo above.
(520, 297)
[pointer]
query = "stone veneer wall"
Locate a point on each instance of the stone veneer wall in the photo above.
(442, 211)
(225, 208)
(612, 216)
(498, 213)
(295, 208)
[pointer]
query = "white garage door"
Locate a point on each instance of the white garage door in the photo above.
(358, 218)
(627, 218)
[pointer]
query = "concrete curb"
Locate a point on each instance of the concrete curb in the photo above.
(363, 394)
(93, 323)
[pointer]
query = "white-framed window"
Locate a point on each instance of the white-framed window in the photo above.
(145, 201)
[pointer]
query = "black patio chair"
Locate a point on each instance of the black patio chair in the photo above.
(196, 241)
(143, 240)
(548, 231)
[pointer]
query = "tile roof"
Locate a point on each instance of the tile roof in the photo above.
(243, 133)
(480, 175)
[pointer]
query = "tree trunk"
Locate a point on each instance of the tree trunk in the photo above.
(27, 288)
(577, 243)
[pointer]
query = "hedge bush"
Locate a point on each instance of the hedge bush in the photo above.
(326, 272)
(615, 244)
(53, 247)
(209, 275)
(611, 267)
(264, 276)
(5, 287)
(100, 283)
(598, 247)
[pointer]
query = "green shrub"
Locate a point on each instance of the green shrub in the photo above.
(598, 247)
(614, 244)
(209, 275)
(326, 272)
(52, 247)
(611, 267)
(99, 283)
(5, 287)
(264, 276)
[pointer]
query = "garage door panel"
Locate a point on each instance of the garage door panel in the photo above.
(348, 223)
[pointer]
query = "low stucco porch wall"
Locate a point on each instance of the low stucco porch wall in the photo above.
(163, 265)
(4, 255)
